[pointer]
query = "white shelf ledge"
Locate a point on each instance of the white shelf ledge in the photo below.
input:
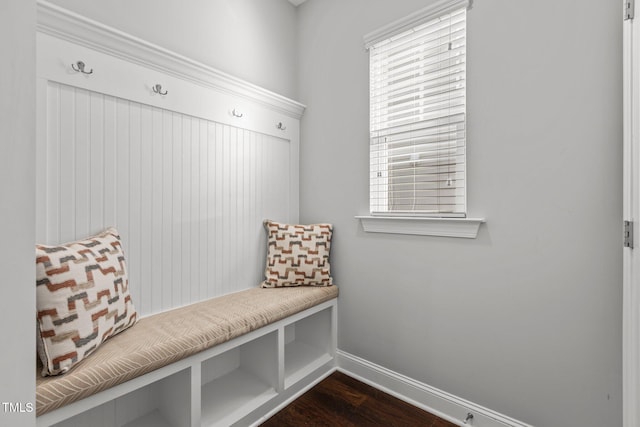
(422, 226)
(229, 398)
(301, 359)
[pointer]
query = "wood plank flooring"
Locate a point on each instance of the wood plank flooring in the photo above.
(341, 401)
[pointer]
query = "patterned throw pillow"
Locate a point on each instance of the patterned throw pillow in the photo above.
(82, 294)
(297, 255)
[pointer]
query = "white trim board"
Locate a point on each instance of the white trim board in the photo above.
(631, 212)
(422, 226)
(432, 11)
(431, 399)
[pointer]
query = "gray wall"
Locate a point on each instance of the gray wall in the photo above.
(250, 39)
(525, 319)
(17, 208)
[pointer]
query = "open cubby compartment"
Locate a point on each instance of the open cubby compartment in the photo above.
(163, 403)
(239, 380)
(309, 344)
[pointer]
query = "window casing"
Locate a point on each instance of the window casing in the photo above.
(418, 116)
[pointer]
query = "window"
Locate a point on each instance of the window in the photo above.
(418, 114)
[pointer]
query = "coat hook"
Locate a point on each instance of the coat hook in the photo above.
(281, 126)
(158, 89)
(236, 113)
(79, 67)
(469, 418)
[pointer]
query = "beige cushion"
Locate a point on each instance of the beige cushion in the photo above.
(82, 299)
(297, 255)
(167, 337)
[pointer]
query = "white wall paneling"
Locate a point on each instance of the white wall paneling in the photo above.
(188, 195)
(186, 182)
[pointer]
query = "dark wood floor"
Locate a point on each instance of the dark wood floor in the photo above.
(341, 401)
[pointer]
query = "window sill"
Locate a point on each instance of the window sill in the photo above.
(423, 226)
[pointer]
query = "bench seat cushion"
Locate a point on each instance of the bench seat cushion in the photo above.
(167, 337)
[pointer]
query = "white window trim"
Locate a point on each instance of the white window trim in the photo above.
(441, 7)
(419, 225)
(422, 226)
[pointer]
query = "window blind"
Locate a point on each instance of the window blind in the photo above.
(417, 119)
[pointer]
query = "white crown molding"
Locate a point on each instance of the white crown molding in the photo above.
(438, 402)
(64, 24)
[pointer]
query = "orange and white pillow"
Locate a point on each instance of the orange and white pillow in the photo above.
(82, 293)
(297, 255)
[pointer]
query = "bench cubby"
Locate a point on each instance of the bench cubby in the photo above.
(162, 403)
(308, 346)
(239, 380)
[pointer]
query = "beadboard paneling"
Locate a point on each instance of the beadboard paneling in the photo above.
(187, 194)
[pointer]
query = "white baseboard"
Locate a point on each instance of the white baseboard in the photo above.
(437, 402)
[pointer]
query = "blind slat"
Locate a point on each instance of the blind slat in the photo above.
(418, 119)
(385, 83)
(427, 83)
(428, 52)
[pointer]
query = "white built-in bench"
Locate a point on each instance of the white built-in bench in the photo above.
(230, 359)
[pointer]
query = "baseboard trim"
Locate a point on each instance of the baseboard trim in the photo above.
(431, 399)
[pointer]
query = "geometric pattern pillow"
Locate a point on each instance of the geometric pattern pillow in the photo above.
(82, 298)
(297, 255)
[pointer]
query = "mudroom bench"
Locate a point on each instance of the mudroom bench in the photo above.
(230, 359)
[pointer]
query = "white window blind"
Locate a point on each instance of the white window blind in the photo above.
(417, 119)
